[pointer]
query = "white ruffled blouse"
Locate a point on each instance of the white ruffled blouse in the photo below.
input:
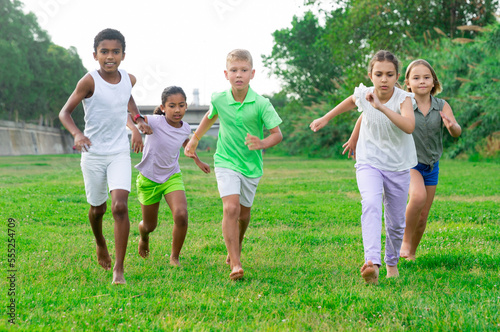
(381, 144)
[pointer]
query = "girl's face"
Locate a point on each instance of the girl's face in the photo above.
(420, 80)
(384, 77)
(174, 108)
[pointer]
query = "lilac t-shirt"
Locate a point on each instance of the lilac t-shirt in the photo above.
(160, 158)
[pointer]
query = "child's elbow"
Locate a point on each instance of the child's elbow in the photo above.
(280, 137)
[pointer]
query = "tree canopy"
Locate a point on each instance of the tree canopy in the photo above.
(37, 75)
(320, 65)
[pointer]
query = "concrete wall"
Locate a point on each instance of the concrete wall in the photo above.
(22, 139)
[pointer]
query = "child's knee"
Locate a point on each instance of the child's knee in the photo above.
(119, 208)
(180, 217)
(245, 217)
(98, 211)
(231, 210)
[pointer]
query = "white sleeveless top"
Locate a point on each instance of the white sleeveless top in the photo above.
(106, 115)
(381, 144)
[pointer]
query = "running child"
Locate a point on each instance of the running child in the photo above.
(160, 174)
(431, 116)
(385, 154)
(242, 114)
(105, 162)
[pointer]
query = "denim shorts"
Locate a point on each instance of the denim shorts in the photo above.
(430, 176)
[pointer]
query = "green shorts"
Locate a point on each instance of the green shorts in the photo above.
(150, 192)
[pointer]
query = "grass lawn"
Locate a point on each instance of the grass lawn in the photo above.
(301, 255)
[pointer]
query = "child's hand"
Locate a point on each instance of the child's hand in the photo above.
(145, 128)
(82, 142)
(190, 149)
(373, 100)
(350, 146)
(446, 120)
(253, 142)
(204, 167)
(137, 144)
(318, 124)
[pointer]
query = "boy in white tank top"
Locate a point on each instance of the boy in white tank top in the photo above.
(106, 97)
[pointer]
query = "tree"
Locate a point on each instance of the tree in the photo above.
(37, 75)
(320, 65)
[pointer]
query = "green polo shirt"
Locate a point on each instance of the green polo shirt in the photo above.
(235, 121)
(428, 133)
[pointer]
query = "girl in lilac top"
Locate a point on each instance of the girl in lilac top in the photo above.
(160, 174)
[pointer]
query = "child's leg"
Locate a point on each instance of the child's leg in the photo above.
(422, 222)
(119, 208)
(418, 196)
(370, 184)
(396, 186)
(96, 214)
(146, 226)
(178, 205)
(231, 232)
(243, 222)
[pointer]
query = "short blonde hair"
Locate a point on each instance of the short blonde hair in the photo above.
(239, 55)
(437, 85)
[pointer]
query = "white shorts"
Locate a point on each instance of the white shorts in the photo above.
(231, 182)
(100, 172)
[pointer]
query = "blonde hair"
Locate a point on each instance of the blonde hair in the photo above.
(437, 85)
(239, 55)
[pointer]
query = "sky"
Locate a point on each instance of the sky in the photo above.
(172, 42)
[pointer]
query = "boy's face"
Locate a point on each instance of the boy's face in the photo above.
(239, 73)
(109, 55)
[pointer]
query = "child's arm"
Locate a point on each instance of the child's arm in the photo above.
(136, 140)
(205, 125)
(255, 143)
(203, 166)
(449, 121)
(404, 121)
(350, 145)
(347, 105)
(141, 123)
(132, 108)
(84, 89)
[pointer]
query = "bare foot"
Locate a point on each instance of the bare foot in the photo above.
(143, 247)
(369, 272)
(103, 257)
(174, 261)
(236, 274)
(392, 271)
(118, 278)
(410, 257)
(404, 253)
(228, 260)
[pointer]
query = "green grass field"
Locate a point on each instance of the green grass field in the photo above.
(301, 255)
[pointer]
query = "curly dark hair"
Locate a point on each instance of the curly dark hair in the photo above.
(109, 34)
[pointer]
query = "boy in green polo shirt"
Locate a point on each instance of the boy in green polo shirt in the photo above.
(242, 115)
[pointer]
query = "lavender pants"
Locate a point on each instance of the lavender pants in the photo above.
(392, 188)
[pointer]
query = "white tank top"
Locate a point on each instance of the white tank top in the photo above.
(106, 115)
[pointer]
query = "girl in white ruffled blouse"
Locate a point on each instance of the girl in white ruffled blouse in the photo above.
(385, 153)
